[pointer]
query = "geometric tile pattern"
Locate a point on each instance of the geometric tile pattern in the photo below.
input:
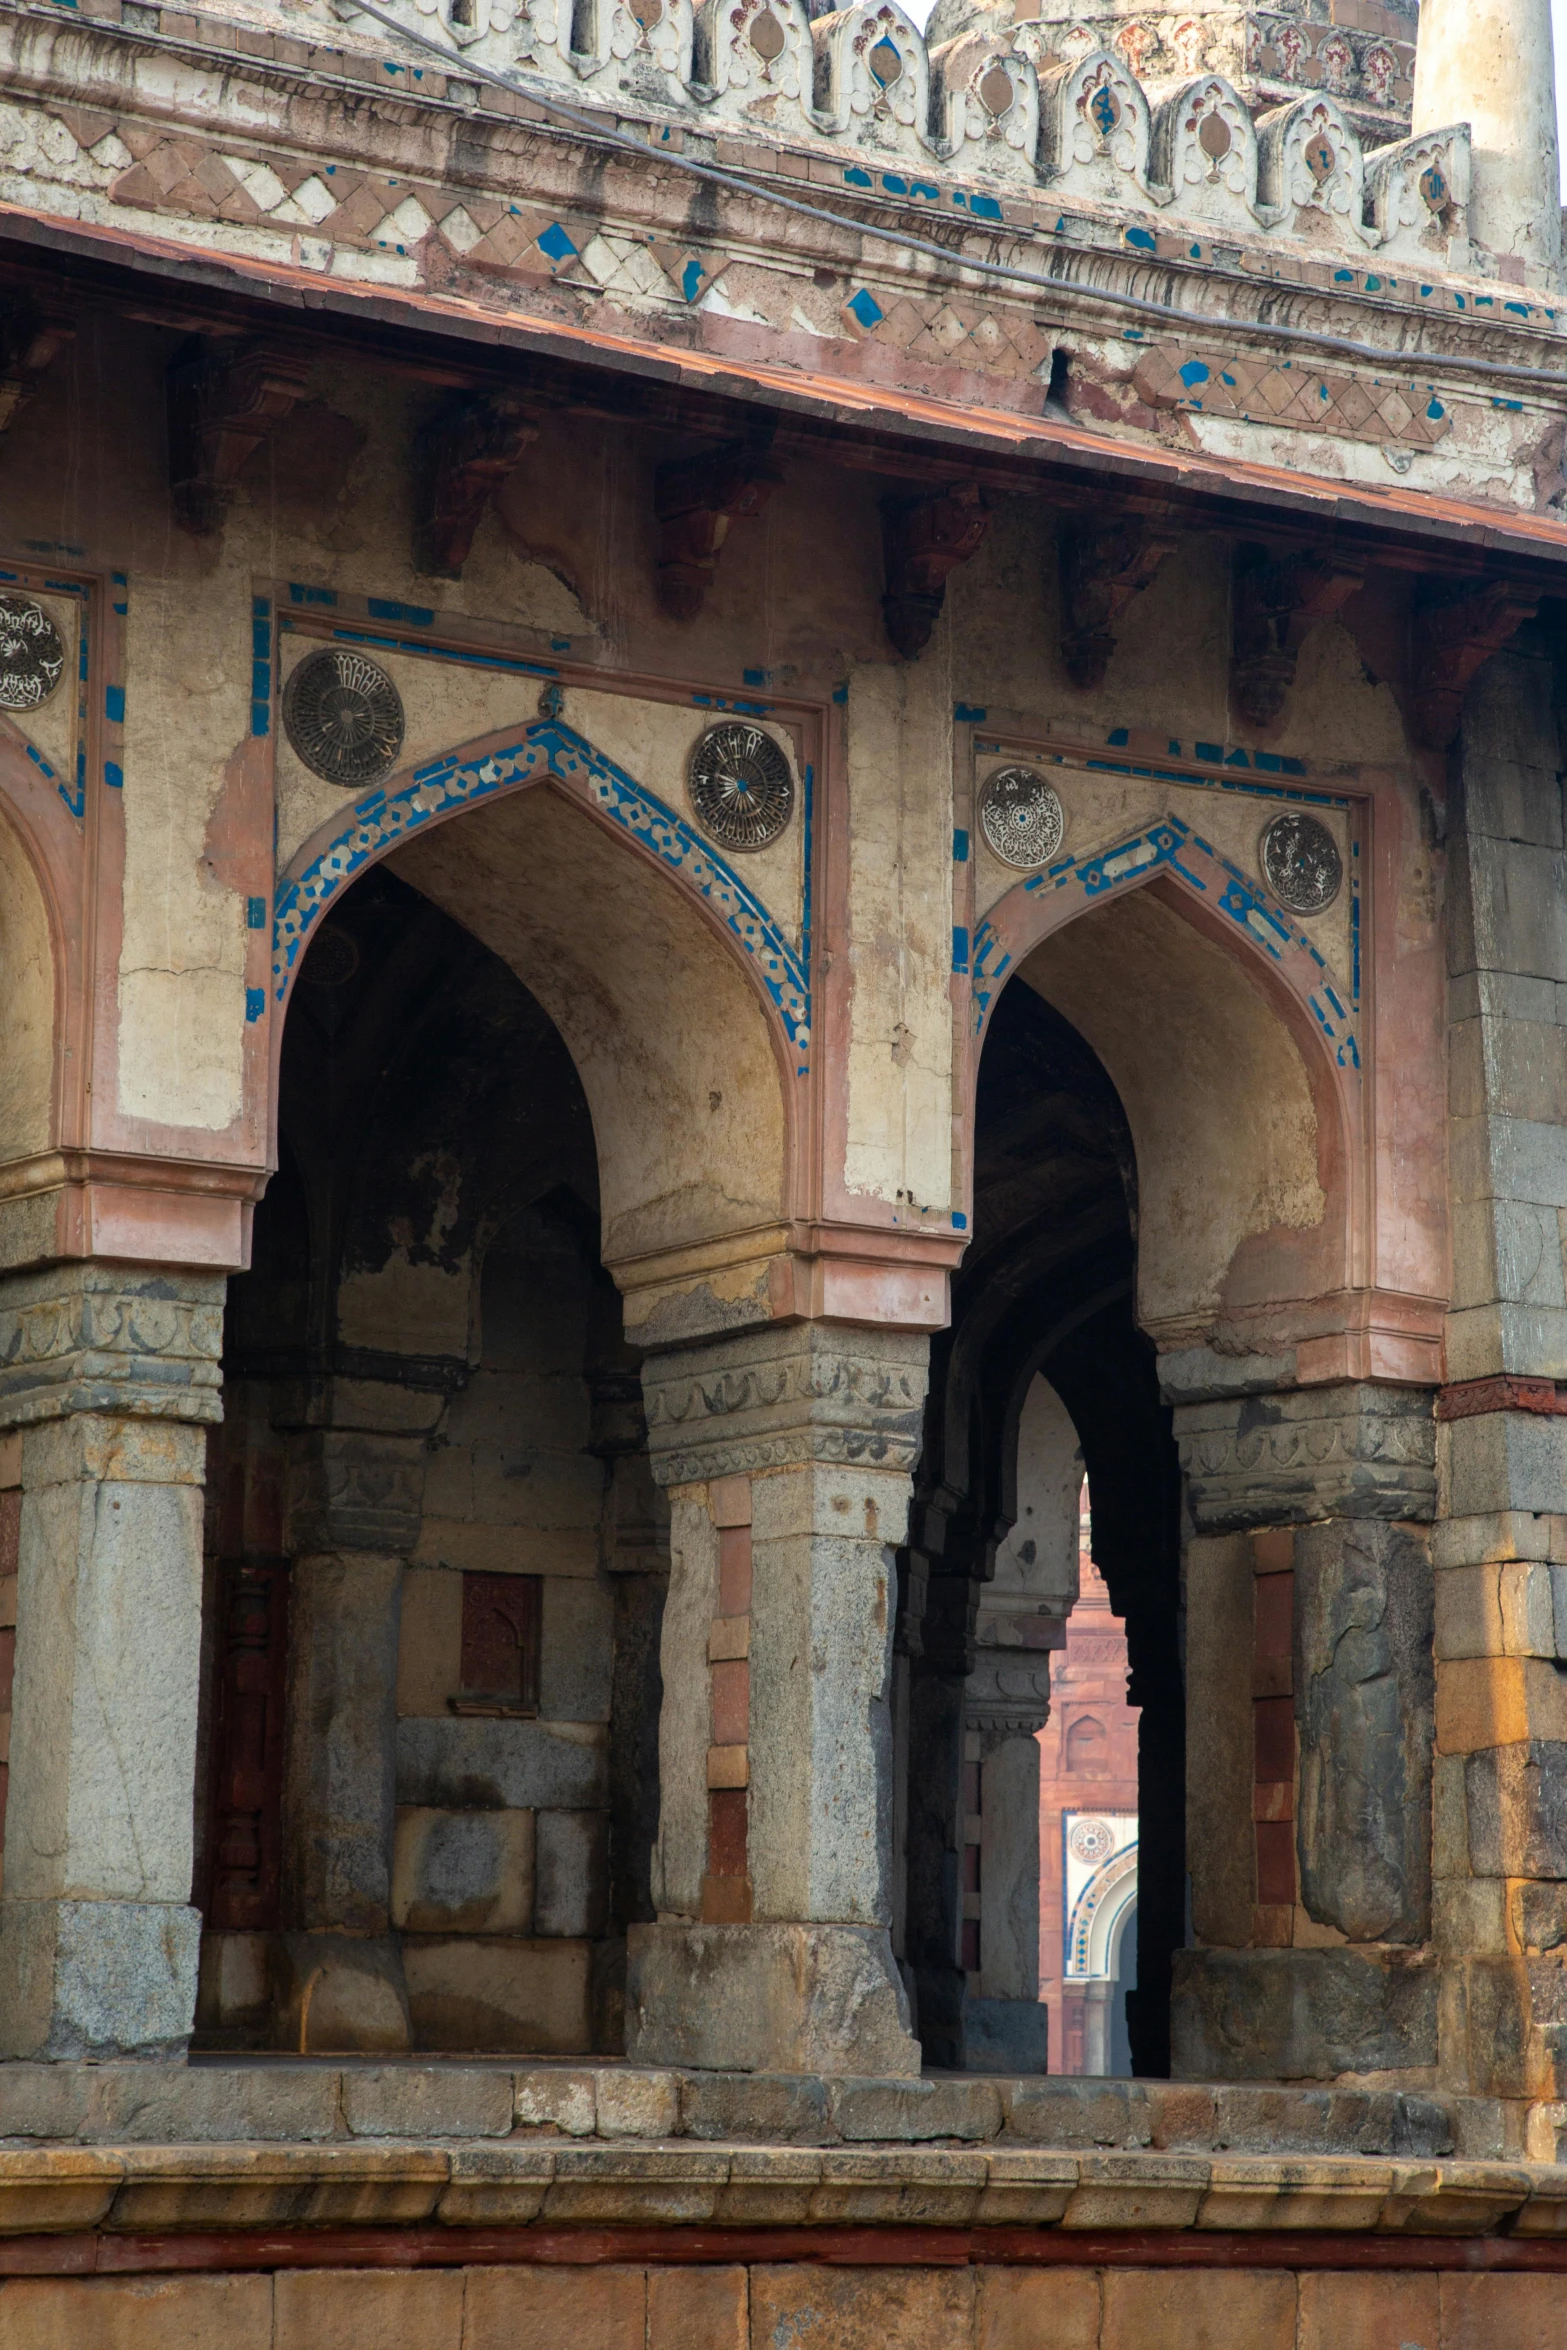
(546, 748)
(1268, 391)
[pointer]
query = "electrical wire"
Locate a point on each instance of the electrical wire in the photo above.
(462, 68)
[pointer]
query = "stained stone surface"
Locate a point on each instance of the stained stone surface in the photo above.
(1364, 1686)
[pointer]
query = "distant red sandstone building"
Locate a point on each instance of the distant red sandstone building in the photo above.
(1088, 1838)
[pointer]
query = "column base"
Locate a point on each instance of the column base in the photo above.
(97, 1978)
(768, 1999)
(1293, 2015)
(1006, 2036)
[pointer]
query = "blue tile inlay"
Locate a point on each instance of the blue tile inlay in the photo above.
(547, 748)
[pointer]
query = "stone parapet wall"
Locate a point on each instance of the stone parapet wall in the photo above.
(553, 2108)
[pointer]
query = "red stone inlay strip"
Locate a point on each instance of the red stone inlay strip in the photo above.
(1505, 1393)
(427, 2247)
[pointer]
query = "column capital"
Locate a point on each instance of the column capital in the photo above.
(785, 1396)
(1355, 1450)
(87, 1337)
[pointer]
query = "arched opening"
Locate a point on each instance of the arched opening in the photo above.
(438, 1559)
(1159, 1160)
(27, 1005)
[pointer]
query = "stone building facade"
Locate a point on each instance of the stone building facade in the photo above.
(764, 778)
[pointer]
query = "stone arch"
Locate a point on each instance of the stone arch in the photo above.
(684, 1004)
(1235, 1051)
(1100, 1912)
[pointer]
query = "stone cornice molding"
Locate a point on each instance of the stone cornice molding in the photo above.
(1350, 1451)
(783, 1397)
(105, 1339)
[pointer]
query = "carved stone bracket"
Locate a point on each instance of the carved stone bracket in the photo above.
(86, 1337)
(696, 499)
(1351, 1451)
(32, 335)
(1277, 604)
(222, 405)
(1103, 566)
(1456, 630)
(923, 539)
(776, 1397)
(464, 454)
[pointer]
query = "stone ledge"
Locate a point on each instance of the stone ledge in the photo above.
(293, 2101)
(142, 2190)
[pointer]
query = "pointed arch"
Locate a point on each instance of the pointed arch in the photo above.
(1312, 1241)
(685, 1005)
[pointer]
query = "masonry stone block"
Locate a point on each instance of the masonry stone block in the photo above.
(1516, 1807)
(97, 1978)
(1143, 2306)
(698, 2309)
(427, 2101)
(1063, 2112)
(915, 2110)
(463, 1871)
(863, 2309)
(340, 1994)
(355, 2309)
(538, 2308)
(572, 1872)
(500, 1994)
(1018, 2309)
(208, 2104)
(557, 2100)
(577, 1649)
(791, 1999)
(1504, 1461)
(1364, 1711)
(338, 1800)
(465, 1764)
(138, 2313)
(790, 2109)
(1318, 2014)
(1006, 2036)
(635, 2104)
(1538, 1916)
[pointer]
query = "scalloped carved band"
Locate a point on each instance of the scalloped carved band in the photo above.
(779, 1398)
(1352, 1451)
(91, 1338)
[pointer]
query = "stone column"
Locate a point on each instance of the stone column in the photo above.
(786, 1453)
(1006, 1699)
(1501, 1540)
(1489, 63)
(353, 1516)
(108, 1380)
(1309, 1682)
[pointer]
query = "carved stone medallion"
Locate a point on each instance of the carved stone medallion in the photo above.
(1301, 863)
(1021, 817)
(741, 787)
(1092, 1841)
(32, 656)
(344, 717)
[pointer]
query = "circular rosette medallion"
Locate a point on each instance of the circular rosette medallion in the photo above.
(344, 717)
(741, 787)
(1092, 1841)
(1301, 864)
(32, 656)
(1021, 817)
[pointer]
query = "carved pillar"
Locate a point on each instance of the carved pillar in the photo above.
(108, 1380)
(353, 1516)
(1006, 1700)
(1310, 1727)
(786, 1454)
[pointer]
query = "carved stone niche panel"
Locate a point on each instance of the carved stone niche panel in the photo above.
(1311, 176)
(1417, 198)
(872, 77)
(1203, 148)
(985, 106)
(651, 38)
(1094, 128)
